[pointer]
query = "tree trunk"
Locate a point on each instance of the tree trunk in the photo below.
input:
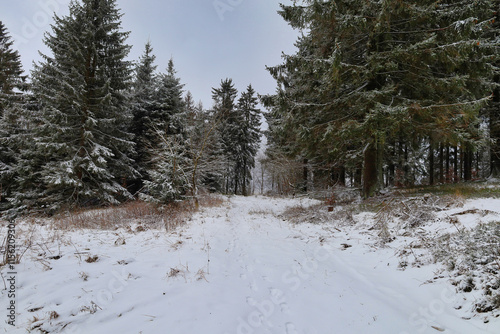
(370, 172)
(342, 176)
(391, 170)
(338, 176)
(431, 162)
(461, 164)
(406, 168)
(495, 132)
(380, 164)
(305, 174)
(244, 181)
(358, 176)
(441, 163)
(468, 161)
(447, 171)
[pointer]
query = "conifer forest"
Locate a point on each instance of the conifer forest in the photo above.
(358, 193)
(378, 94)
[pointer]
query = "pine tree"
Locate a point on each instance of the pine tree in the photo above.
(11, 79)
(83, 126)
(12, 86)
(170, 159)
(143, 101)
(204, 149)
(368, 75)
(493, 109)
(169, 115)
(249, 138)
(228, 130)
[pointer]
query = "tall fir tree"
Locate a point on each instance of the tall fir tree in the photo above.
(368, 75)
(83, 127)
(12, 87)
(493, 109)
(143, 102)
(169, 115)
(168, 176)
(248, 139)
(229, 119)
(203, 147)
(11, 79)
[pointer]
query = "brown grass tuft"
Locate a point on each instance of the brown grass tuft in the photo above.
(147, 215)
(92, 259)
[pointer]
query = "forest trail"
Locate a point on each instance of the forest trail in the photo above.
(234, 269)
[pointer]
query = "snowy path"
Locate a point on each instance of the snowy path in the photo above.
(233, 270)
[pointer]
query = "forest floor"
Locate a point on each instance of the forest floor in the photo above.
(419, 263)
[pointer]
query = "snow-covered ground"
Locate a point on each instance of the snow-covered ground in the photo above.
(240, 268)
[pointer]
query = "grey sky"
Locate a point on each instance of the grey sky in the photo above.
(209, 40)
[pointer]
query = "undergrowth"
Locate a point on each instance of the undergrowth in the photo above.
(467, 190)
(473, 258)
(147, 215)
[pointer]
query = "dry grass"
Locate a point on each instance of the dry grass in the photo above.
(22, 246)
(210, 201)
(146, 215)
(92, 259)
(260, 212)
(315, 214)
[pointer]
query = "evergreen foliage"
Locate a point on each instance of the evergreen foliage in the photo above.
(170, 159)
(143, 102)
(493, 110)
(373, 81)
(225, 112)
(248, 139)
(379, 93)
(12, 88)
(239, 135)
(204, 147)
(12, 82)
(82, 129)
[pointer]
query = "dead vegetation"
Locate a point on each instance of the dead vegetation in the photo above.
(144, 215)
(134, 217)
(471, 256)
(314, 214)
(92, 259)
(320, 213)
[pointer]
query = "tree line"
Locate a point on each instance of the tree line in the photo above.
(387, 93)
(378, 94)
(89, 127)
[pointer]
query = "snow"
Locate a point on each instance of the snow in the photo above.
(239, 268)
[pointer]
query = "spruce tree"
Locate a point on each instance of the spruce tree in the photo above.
(169, 114)
(368, 75)
(493, 110)
(204, 149)
(248, 139)
(143, 102)
(225, 111)
(12, 87)
(11, 79)
(168, 175)
(83, 126)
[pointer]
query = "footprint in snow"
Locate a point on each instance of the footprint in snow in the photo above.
(267, 279)
(285, 308)
(290, 328)
(251, 301)
(254, 286)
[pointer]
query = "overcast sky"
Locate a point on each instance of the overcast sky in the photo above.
(209, 40)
